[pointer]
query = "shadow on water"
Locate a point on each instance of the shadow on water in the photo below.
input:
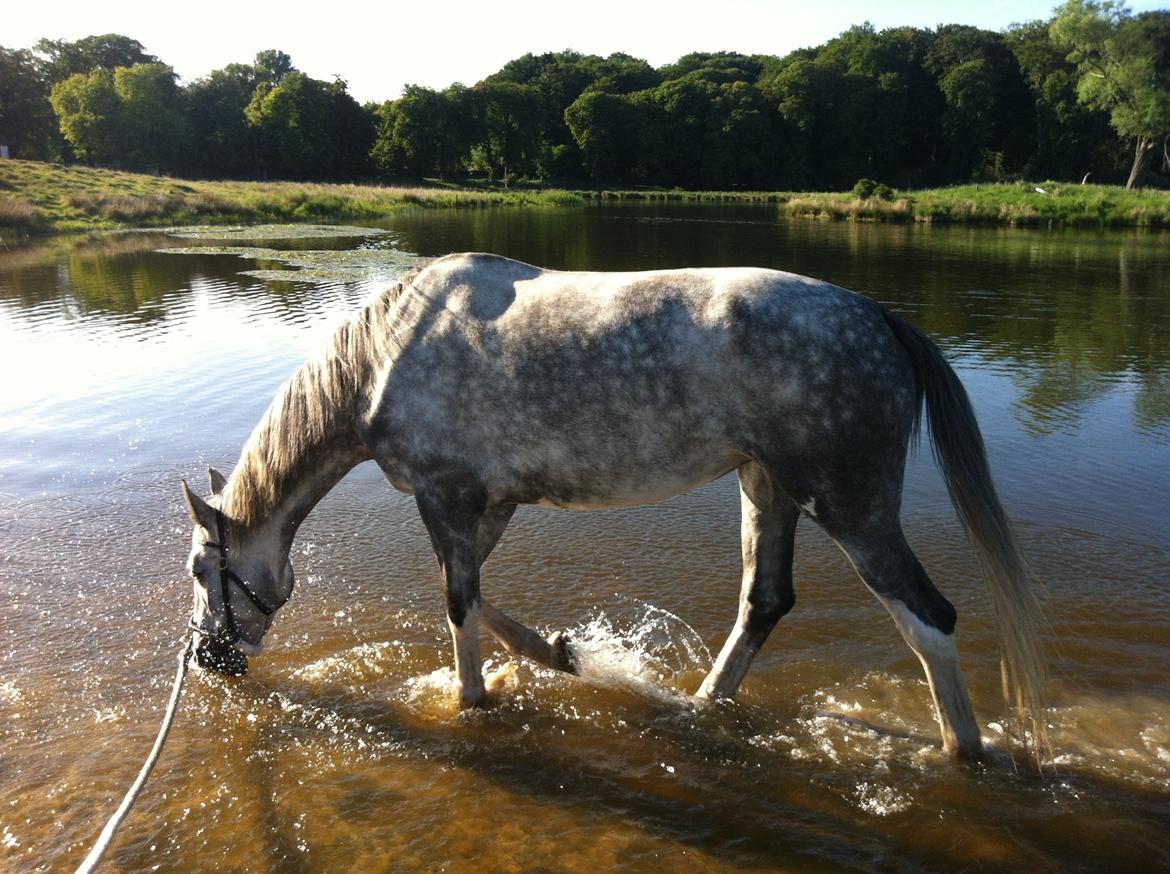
(774, 830)
(731, 804)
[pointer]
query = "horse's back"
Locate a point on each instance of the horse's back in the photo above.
(669, 376)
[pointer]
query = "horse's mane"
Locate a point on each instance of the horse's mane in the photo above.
(326, 393)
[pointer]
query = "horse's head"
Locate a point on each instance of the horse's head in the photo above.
(241, 580)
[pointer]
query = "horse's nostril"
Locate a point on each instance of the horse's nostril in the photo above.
(222, 659)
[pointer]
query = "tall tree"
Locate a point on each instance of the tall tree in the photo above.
(89, 112)
(1124, 66)
(155, 131)
(224, 144)
(272, 65)
(27, 125)
(426, 131)
(309, 129)
(510, 144)
(291, 122)
(987, 123)
(351, 133)
(1072, 138)
(605, 129)
(129, 116)
(61, 59)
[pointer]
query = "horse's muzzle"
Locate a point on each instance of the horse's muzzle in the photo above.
(223, 658)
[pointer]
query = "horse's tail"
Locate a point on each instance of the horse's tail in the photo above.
(959, 450)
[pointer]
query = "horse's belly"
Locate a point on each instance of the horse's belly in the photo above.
(635, 487)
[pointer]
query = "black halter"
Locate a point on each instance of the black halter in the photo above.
(226, 575)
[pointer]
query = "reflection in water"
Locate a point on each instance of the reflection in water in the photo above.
(342, 750)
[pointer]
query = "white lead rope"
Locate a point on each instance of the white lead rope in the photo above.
(107, 835)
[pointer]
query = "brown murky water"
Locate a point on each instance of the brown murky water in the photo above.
(123, 368)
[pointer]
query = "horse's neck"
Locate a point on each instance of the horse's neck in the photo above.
(308, 439)
(317, 480)
(275, 496)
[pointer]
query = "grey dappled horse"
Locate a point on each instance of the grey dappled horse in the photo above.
(480, 383)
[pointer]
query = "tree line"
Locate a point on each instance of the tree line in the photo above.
(1086, 92)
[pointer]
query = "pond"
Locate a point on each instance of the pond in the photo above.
(131, 361)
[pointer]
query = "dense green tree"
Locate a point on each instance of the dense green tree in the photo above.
(813, 98)
(620, 73)
(27, 124)
(677, 116)
(741, 139)
(510, 140)
(271, 66)
(427, 131)
(223, 143)
(155, 132)
(61, 59)
(89, 112)
(561, 78)
(128, 116)
(892, 121)
(907, 106)
(309, 129)
(605, 128)
(732, 65)
(1072, 139)
(290, 122)
(988, 124)
(351, 131)
(1124, 66)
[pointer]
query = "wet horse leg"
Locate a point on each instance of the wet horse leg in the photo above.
(768, 529)
(452, 522)
(516, 638)
(927, 622)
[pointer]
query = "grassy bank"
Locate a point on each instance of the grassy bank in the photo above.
(50, 197)
(36, 197)
(1021, 204)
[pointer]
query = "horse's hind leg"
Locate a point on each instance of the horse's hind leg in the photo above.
(768, 529)
(927, 622)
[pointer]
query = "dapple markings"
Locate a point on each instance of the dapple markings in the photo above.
(480, 383)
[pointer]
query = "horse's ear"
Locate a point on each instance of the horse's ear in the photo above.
(199, 510)
(217, 480)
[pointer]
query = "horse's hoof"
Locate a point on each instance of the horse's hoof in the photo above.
(562, 653)
(473, 699)
(970, 751)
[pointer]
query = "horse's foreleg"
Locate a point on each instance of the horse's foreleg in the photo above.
(518, 639)
(768, 529)
(453, 527)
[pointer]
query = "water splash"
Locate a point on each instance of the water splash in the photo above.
(641, 648)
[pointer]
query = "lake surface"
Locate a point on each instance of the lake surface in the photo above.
(124, 366)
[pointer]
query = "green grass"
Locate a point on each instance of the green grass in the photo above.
(37, 197)
(49, 197)
(1024, 204)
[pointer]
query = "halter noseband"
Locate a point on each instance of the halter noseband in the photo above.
(226, 575)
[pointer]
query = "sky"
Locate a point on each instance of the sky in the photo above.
(378, 47)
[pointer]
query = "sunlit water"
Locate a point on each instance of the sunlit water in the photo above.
(125, 368)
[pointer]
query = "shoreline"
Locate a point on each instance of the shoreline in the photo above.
(39, 199)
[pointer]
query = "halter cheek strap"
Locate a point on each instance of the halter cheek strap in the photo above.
(226, 575)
